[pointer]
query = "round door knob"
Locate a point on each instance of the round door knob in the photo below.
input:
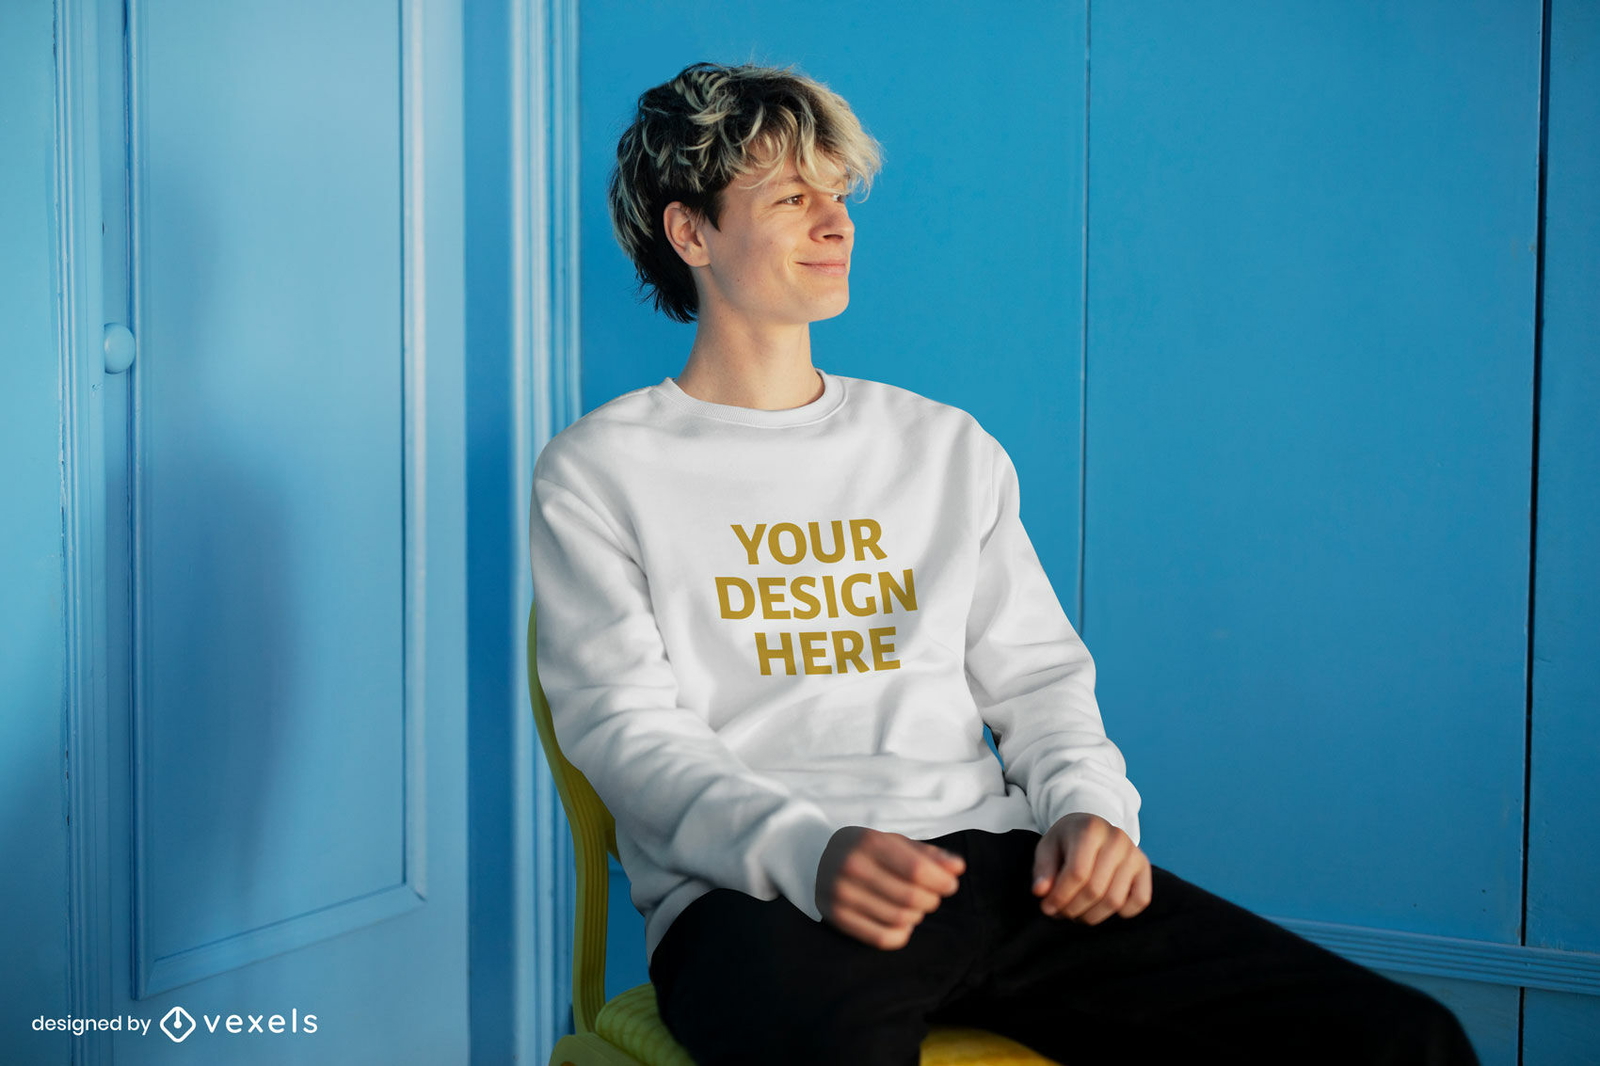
(120, 348)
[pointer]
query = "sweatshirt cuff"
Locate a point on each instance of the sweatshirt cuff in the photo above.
(1085, 799)
(795, 862)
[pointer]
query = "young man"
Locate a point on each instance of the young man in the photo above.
(777, 607)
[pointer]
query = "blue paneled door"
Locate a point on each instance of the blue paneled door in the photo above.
(284, 554)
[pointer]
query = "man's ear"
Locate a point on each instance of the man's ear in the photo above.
(683, 229)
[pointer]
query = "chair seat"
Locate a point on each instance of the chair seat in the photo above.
(631, 1022)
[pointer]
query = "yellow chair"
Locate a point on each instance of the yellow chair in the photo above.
(628, 1031)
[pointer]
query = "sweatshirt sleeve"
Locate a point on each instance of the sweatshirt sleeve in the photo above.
(681, 794)
(1033, 678)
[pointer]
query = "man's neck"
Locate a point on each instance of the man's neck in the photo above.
(769, 370)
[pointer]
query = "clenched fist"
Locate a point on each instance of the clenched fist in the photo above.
(1087, 869)
(878, 886)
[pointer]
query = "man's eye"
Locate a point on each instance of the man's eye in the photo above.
(837, 196)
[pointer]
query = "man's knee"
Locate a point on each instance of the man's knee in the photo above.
(1423, 1031)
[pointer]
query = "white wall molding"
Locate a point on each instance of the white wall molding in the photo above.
(1461, 959)
(546, 376)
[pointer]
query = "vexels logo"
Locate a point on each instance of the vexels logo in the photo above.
(177, 1024)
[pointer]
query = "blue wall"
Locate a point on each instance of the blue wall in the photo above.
(1250, 294)
(1311, 342)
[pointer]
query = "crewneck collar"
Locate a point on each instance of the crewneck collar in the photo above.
(832, 396)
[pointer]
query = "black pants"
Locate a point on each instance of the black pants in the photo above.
(1191, 978)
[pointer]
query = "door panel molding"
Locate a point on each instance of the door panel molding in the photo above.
(155, 970)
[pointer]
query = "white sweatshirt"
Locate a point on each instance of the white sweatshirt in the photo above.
(757, 627)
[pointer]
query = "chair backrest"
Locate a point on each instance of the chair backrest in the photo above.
(594, 835)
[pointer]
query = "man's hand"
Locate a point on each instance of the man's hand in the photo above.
(1087, 869)
(878, 886)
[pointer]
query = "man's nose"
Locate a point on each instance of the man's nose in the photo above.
(836, 223)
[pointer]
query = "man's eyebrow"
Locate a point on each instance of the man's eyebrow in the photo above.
(790, 180)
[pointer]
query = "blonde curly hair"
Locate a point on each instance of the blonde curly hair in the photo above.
(692, 136)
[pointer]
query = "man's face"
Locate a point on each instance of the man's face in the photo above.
(780, 253)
